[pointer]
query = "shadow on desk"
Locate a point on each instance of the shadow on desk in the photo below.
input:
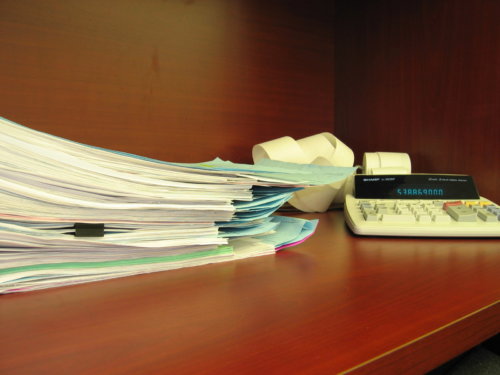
(484, 359)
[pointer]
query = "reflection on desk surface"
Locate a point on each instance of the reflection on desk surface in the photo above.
(427, 245)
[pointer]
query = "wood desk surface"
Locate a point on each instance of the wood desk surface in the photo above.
(337, 303)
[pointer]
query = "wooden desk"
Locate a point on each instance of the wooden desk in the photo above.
(335, 304)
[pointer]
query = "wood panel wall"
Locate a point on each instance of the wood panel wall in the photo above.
(185, 80)
(423, 77)
(178, 80)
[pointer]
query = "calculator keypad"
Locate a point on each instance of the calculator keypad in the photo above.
(423, 211)
(423, 218)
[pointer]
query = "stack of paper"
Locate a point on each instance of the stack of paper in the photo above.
(151, 215)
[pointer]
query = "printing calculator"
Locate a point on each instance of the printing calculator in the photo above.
(420, 205)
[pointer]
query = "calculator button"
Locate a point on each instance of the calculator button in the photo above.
(383, 210)
(435, 212)
(365, 204)
(486, 216)
(370, 215)
(451, 204)
(472, 203)
(423, 218)
(418, 213)
(398, 218)
(402, 210)
(366, 209)
(439, 218)
(495, 210)
(461, 213)
(485, 203)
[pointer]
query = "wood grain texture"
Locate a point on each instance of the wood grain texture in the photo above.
(176, 80)
(191, 80)
(326, 306)
(422, 77)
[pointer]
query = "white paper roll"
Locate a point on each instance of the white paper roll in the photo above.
(386, 163)
(281, 149)
(321, 149)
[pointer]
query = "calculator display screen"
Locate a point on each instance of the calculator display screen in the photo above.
(415, 186)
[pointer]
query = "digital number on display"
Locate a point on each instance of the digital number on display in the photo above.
(415, 186)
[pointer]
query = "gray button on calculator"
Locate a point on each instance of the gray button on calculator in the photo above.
(462, 213)
(486, 215)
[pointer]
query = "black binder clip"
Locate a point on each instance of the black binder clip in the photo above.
(89, 230)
